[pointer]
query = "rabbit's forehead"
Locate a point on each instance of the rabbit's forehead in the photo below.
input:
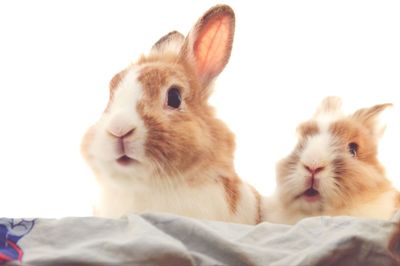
(334, 132)
(316, 127)
(321, 123)
(321, 133)
(155, 77)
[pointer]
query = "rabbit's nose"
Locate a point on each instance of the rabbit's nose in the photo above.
(121, 125)
(120, 132)
(314, 169)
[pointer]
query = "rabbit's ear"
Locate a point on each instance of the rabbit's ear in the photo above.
(208, 45)
(329, 106)
(172, 42)
(369, 117)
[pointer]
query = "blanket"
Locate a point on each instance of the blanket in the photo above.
(166, 239)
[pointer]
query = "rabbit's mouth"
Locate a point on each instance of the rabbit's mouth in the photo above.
(311, 195)
(126, 160)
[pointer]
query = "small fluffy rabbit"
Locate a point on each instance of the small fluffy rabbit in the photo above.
(334, 169)
(158, 145)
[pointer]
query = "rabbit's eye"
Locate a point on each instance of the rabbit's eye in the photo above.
(353, 149)
(174, 97)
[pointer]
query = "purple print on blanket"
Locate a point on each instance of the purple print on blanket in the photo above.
(11, 231)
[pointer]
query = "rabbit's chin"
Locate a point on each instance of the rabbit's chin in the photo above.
(310, 201)
(310, 204)
(120, 169)
(126, 161)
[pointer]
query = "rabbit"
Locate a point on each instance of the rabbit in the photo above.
(334, 169)
(158, 146)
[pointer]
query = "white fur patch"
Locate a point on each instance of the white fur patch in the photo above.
(318, 151)
(207, 201)
(324, 120)
(121, 117)
(123, 114)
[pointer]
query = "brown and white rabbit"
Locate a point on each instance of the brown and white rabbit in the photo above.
(334, 169)
(158, 145)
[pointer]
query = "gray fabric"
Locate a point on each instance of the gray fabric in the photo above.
(164, 239)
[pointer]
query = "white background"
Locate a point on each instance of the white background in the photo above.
(57, 57)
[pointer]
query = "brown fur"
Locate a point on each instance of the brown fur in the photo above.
(231, 187)
(192, 137)
(308, 129)
(173, 36)
(85, 145)
(352, 175)
(367, 117)
(181, 66)
(257, 195)
(115, 81)
(153, 79)
(348, 131)
(87, 141)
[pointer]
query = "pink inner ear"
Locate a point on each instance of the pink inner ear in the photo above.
(213, 46)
